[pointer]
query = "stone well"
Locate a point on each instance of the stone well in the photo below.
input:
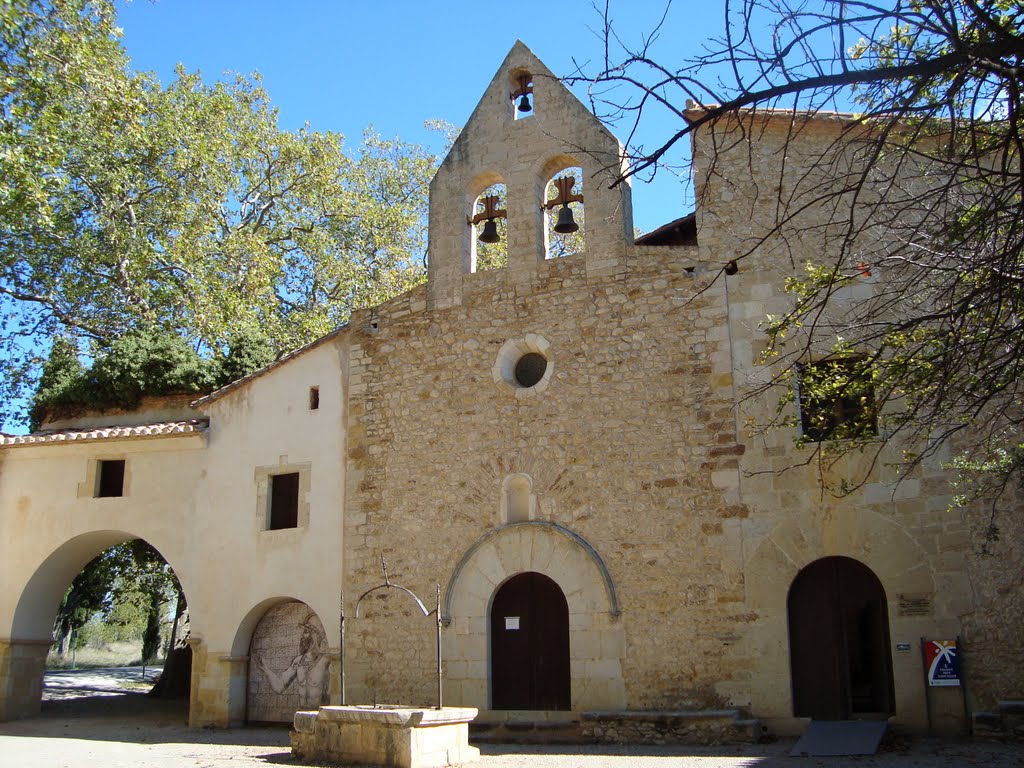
(404, 737)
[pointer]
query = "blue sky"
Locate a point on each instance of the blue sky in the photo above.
(343, 64)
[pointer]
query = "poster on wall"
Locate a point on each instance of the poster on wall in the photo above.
(288, 664)
(941, 663)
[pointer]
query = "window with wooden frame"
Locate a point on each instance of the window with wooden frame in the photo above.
(837, 400)
(282, 495)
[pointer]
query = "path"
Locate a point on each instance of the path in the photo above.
(85, 725)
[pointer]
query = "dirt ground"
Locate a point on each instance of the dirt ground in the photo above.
(87, 720)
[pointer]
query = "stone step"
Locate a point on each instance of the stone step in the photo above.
(527, 732)
(692, 727)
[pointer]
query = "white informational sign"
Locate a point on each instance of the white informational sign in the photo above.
(511, 622)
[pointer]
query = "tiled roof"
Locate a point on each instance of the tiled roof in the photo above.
(166, 429)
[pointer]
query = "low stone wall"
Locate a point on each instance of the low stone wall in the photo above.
(1005, 722)
(703, 727)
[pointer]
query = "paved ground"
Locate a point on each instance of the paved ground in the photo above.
(86, 722)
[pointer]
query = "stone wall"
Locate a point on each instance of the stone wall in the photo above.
(903, 526)
(623, 447)
(669, 727)
(21, 678)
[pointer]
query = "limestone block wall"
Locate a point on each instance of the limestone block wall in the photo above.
(903, 528)
(626, 446)
(992, 623)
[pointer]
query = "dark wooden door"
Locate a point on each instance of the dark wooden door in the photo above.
(530, 645)
(839, 641)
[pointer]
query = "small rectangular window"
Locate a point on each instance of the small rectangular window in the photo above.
(314, 398)
(110, 478)
(284, 501)
(837, 400)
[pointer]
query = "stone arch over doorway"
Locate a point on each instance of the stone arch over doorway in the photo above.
(881, 543)
(27, 628)
(596, 635)
(840, 661)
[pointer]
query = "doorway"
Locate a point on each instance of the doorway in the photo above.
(530, 645)
(839, 641)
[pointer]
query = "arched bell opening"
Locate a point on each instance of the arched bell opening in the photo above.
(522, 95)
(490, 231)
(564, 213)
(840, 660)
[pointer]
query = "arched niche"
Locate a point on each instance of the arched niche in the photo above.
(518, 502)
(289, 663)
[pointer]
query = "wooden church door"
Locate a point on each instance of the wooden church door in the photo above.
(530, 645)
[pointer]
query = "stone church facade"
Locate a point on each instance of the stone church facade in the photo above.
(559, 447)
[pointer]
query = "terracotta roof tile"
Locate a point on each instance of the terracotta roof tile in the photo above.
(166, 429)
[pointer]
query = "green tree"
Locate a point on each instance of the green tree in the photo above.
(923, 185)
(87, 595)
(129, 584)
(184, 208)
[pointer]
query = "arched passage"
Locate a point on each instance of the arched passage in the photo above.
(23, 653)
(839, 641)
(530, 645)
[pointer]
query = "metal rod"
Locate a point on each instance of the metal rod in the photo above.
(962, 661)
(341, 672)
(927, 688)
(437, 619)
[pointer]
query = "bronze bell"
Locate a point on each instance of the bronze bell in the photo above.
(490, 233)
(566, 223)
(524, 104)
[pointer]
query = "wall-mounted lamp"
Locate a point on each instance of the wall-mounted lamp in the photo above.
(565, 223)
(523, 94)
(488, 215)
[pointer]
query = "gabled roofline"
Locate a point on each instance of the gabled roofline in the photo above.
(237, 384)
